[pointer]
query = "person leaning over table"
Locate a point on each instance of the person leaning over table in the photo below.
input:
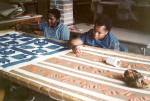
(54, 28)
(99, 36)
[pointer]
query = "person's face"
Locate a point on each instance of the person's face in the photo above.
(99, 32)
(52, 20)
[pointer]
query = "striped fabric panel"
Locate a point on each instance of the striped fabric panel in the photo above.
(86, 77)
(125, 55)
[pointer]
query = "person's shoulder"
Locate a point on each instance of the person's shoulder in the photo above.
(62, 26)
(113, 37)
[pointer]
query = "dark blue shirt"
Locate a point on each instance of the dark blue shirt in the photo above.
(109, 41)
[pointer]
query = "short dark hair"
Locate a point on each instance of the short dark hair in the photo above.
(104, 20)
(54, 12)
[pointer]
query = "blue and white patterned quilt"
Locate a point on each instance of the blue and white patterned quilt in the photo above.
(19, 48)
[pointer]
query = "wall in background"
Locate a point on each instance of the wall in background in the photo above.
(66, 8)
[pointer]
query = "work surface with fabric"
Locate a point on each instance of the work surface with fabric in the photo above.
(64, 76)
(17, 48)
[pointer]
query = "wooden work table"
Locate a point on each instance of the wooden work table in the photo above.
(66, 77)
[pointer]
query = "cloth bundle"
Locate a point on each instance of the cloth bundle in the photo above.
(135, 79)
